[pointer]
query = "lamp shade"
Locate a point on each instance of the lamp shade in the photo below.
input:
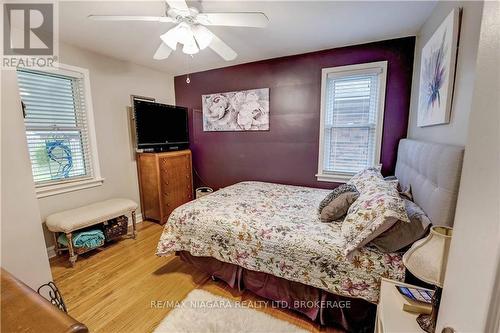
(427, 258)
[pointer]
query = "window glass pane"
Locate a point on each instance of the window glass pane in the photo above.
(56, 155)
(49, 100)
(351, 101)
(56, 127)
(351, 112)
(350, 149)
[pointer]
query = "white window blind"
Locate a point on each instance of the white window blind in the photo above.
(56, 126)
(351, 132)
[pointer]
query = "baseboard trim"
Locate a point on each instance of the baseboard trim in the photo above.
(51, 252)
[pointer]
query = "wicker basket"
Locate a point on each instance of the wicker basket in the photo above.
(115, 228)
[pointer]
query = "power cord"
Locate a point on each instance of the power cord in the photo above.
(204, 183)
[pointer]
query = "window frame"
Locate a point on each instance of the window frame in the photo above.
(70, 185)
(347, 70)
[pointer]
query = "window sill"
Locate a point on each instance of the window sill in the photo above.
(49, 190)
(333, 178)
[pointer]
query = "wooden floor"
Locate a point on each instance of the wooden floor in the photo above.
(111, 289)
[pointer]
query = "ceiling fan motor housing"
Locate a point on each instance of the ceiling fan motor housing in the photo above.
(179, 15)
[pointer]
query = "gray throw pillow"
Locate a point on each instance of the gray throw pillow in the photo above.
(405, 192)
(338, 207)
(335, 193)
(403, 234)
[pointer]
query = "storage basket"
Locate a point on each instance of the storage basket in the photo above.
(202, 191)
(115, 228)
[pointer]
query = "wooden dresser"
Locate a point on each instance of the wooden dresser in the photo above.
(165, 183)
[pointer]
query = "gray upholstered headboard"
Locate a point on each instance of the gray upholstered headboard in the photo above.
(433, 172)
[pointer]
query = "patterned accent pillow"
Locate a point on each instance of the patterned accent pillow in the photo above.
(378, 208)
(344, 188)
(364, 177)
(338, 207)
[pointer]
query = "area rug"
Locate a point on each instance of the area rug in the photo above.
(203, 312)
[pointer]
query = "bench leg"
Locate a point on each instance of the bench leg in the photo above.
(72, 255)
(56, 244)
(134, 232)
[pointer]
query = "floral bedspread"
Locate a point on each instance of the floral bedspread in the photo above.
(276, 229)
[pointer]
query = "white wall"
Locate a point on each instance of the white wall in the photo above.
(456, 131)
(475, 247)
(22, 246)
(112, 82)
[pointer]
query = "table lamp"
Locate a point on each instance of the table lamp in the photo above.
(427, 259)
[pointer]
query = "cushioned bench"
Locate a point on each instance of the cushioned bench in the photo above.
(74, 219)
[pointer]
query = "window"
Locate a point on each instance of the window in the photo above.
(59, 129)
(352, 112)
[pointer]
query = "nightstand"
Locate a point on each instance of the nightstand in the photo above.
(390, 315)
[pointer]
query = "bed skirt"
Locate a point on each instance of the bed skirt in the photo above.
(351, 314)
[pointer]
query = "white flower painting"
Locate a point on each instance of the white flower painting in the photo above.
(246, 110)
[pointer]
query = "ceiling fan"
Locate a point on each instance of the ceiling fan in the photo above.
(190, 28)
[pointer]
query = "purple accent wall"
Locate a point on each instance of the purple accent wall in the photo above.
(288, 152)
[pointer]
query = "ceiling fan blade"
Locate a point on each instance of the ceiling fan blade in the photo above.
(255, 20)
(178, 4)
(162, 52)
(130, 18)
(202, 35)
(222, 48)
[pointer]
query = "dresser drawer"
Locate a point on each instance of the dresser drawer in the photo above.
(171, 181)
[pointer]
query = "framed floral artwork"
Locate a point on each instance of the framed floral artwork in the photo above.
(437, 73)
(246, 110)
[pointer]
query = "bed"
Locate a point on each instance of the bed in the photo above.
(268, 238)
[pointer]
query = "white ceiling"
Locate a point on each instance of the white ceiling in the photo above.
(294, 28)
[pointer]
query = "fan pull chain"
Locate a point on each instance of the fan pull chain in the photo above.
(188, 79)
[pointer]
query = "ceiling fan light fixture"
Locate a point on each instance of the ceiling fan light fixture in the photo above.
(184, 33)
(190, 47)
(170, 38)
(202, 35)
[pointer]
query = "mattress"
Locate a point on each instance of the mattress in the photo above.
(275, 229)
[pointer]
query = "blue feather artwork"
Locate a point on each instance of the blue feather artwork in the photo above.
(437, 73)
(59, 152)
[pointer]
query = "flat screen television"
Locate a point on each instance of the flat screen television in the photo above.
(160, 127)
